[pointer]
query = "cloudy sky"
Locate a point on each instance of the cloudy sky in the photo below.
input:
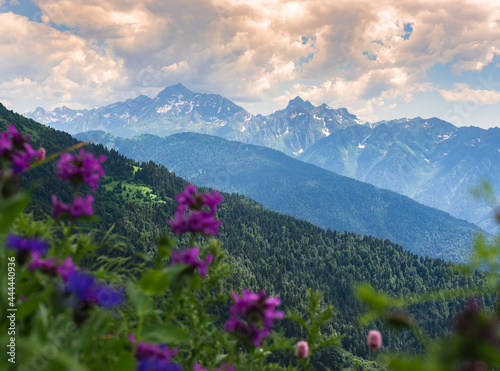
(380, 59)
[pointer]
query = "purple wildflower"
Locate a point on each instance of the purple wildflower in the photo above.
(252, 316)
(82, 168)
(27, 244)
(190, 257)
(223, 367)
(85, 289)
(51, 266)
(80, 206)
(153, 356)
(14, 147)
(157, 365)
(199, 219)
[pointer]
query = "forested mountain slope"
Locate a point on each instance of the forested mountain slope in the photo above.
(283, 255)
(305, 191)
(429, 160)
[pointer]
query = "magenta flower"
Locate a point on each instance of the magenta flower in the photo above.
(51, 266)
(252, 316)
(153, 354)
(374, 340)
(302, 350)
(14, 147)
(82, 168)
(190, 257)
(195, 212)
(80, 206)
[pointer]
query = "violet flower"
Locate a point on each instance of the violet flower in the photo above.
(192, 215)
(154, 357)
(190, 257)
(252, 316)
(26, 246)
(82, 168)
(85, 289)
(80, 207)
(14, 147)
(157, 365)
(52, 266)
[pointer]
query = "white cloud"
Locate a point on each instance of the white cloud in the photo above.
(339, 52)
(463, 93)
(42, 64)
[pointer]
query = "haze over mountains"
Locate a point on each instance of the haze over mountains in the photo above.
(431, 161)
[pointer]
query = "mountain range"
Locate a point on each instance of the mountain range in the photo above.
(176, 109)
(428, 160)
(299, 189)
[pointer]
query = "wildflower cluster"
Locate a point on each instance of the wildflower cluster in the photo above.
(199, 219)
(81, 285)
(154, 356)
(79, 169)
(14, 147)
(252, 316)
(190, 257)
(26, 247)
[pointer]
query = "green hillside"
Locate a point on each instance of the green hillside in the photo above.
(302, 190)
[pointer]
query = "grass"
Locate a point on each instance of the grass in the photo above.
(131, 190)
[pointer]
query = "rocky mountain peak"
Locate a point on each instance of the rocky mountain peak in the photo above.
(174, 90)
(299, 102)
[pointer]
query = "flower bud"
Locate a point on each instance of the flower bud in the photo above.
(374, 340)
(302, 349)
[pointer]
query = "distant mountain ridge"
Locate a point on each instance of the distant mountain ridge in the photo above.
(431, 161)
(300, 189)
(177, 109)
(428, 160)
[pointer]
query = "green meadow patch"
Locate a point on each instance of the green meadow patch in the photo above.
(131, 192)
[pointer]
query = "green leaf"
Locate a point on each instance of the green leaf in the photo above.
(176, 269)
(196, 282)
(154, 282)
(10, 208)
(126, 361)
(164, 333)
(138, 298)
(29, 306)
(375, 300)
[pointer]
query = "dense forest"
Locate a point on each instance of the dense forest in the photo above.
(296, 188)
(281, 254)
